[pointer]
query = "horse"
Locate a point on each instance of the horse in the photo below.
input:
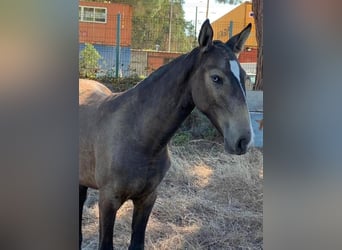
(124, 136)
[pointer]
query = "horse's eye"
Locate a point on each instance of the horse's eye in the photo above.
(216, 79)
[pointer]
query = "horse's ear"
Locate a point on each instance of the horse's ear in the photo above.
(205, 38)
(237, 42)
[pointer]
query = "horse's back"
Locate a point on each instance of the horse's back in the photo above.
(91, 92)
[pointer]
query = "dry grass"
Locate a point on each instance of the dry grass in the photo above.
(208, 200)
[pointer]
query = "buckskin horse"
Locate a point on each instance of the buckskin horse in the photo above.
(124, 136)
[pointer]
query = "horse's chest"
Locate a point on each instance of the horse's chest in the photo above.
(156, 174)
(150, 177)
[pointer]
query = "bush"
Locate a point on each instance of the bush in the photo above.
(89, 62)
(119, 84)
(181, 138)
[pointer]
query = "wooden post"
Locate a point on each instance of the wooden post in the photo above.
(257, 7)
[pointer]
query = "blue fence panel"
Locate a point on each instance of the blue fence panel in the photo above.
(108, 60)
(256, 110)
(258, 133)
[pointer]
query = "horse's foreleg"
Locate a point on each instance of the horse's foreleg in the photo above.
(141, 213)
(82, 199)
(108, 206)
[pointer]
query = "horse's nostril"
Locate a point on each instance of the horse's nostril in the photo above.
(241, 145)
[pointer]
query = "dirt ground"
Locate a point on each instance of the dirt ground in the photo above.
(208, 200)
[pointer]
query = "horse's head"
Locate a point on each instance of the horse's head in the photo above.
(218, 88)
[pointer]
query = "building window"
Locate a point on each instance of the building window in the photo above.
(92, 14)
(100, 15)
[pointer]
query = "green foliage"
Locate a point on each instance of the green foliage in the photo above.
(89, 61)
(119, 84)
(151, 25)
(181, 138)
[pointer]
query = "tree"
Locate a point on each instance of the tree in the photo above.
(257, 7)
(151, 25)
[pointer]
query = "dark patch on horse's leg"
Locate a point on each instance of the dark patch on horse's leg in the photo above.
(82, 198)
(107, 211)
(141, 213)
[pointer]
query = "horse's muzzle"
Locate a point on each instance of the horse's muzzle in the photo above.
(240, 147)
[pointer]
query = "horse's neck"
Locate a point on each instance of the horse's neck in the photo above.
(167, 102)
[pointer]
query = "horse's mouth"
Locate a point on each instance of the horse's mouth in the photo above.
(240, 148)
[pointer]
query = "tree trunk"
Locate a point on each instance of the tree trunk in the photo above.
(257, 7)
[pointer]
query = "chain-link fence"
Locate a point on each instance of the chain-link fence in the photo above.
(115, 43)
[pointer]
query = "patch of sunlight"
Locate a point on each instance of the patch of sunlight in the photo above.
(203, 174)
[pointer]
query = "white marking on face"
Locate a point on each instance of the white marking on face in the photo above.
(235, 69)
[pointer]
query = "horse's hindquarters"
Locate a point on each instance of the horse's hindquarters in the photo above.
(91, 95)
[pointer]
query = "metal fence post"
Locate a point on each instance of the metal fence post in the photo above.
(117, 52)
(230, 29)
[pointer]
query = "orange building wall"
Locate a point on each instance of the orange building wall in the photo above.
(105, 33)
(240, 17)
